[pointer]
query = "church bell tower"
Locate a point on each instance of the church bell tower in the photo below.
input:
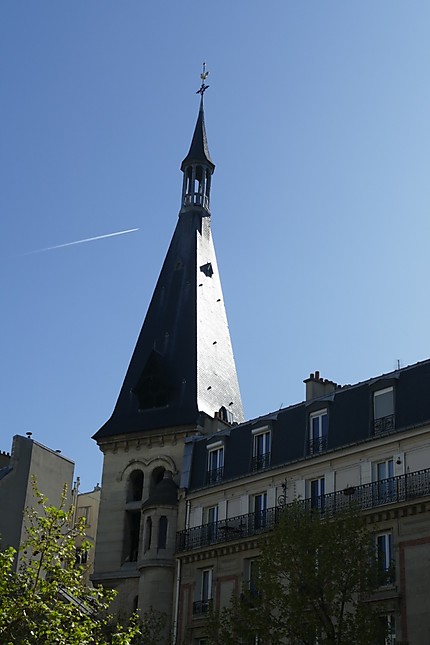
(181, 381)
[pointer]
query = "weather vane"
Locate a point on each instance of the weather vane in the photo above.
(202, 89)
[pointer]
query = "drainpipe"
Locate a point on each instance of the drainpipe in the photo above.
(178, 585)
(178, 576)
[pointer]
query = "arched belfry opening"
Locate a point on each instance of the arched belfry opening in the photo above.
(135, 486)
(198, 168)
(156, 477)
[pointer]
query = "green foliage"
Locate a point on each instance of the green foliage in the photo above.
(45, 599)
(314, 574)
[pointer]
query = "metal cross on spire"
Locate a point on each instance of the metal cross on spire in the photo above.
(202, 89)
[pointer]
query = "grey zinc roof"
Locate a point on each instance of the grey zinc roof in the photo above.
(199, 149)
(165, 493)
(350, 412)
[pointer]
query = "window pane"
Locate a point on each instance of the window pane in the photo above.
(384, 404)
(315, 428)
(324, 421)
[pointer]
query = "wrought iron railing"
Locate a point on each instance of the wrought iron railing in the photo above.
(383, 424)
(215, 475)
(366, 496)
(260, 462)
(317, 445)
(201, 606)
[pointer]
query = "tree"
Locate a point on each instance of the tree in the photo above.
(45, 599)
(315, 572)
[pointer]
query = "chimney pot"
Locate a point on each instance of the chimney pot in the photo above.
(317, 375)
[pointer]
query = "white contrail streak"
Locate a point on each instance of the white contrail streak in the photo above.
(88, 239)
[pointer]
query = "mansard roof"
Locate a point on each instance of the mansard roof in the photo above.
(350, 421)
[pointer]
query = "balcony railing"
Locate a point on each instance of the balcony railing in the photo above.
(383, 424)
(317, 445)
(201, 607)
(215, 475)
(260, 462)
(367, 496)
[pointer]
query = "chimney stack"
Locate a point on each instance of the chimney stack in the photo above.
(317, 386)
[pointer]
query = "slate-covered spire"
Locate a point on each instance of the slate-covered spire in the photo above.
(183, 364)
(197, 166)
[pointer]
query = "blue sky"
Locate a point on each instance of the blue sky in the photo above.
(318, 123)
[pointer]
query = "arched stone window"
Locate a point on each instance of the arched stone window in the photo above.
(148, 534)
(135, 486)
(131, 536)
(162, 532)
(156, 477)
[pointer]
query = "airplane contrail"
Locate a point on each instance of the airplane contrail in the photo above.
(87, 239)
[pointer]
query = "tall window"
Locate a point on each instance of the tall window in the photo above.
(388, 630)
(148, 534)
(261, 451)
(317, 492)
(384, 476)
(383, 410)
(384, 552)
(211, 523)
(162, 532)
(318, 431)
(202, 605)
(157, 476)
(132, 531)
(135, 486)
(215, 465)
(252, 577)
(260, 510)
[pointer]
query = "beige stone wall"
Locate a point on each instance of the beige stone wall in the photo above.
(51, 470)
(87, 506)
(139, 582)
(407, 599)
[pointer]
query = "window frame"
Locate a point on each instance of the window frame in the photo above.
(260, 513)
(317, 493)
(318, 440)
(385, 422)
(211, 524)
(261, 455)
(215, 474)
(385, 557)
(205, 591)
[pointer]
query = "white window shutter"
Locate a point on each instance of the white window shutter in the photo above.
(329, 481)
(300, 489)
(244, 504)
(271, 497)
(222, 509)
(196, 516)
(365, 472)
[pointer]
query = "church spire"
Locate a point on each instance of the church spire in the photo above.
(183, 364)
(198, 166)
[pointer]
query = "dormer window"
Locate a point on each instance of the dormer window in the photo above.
(261, 450)
(215, 462)
(383, 410)
(318, 431)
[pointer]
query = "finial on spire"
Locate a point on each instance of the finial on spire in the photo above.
(202, 89)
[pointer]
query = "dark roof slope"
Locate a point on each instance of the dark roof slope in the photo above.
(199, 149)
(350, 421)
(165, 493)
